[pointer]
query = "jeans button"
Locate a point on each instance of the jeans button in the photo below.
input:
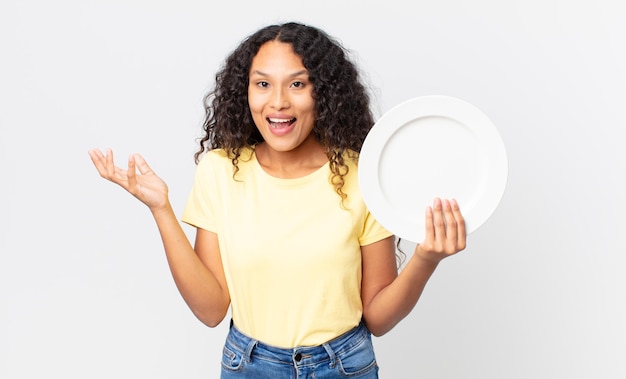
(298, 357)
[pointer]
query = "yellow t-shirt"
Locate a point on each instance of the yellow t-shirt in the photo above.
(291, 253)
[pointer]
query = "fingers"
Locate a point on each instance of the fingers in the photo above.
(430, 227)
(106, 166)
(136, 161)
(131, 173)
(141, 164)
(110, 165)
(445, 227)
(98, 160)
(460, 223)
(451, 224)
(104, 163)
(438, 219)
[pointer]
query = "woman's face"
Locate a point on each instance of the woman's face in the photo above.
(280, 97)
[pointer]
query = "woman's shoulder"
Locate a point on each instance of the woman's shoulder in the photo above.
(221, 156)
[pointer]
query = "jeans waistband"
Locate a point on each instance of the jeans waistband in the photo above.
(299, 356)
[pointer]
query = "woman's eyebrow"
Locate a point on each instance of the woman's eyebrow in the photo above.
(295, 74)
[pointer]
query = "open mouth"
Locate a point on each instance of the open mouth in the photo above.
(280, 123)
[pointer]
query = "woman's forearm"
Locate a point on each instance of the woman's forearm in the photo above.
(395, 302)
(445, 236)
(196, 283)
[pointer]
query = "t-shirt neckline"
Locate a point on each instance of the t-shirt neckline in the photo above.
(322, 170)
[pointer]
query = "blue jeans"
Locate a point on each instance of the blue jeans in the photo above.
(350, 355)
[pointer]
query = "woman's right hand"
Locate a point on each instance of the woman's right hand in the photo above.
(147, 186)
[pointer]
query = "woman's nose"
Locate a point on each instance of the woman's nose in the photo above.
(280, 99)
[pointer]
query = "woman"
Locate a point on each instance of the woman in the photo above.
(283, 235)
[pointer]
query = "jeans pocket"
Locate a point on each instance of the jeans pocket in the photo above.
(232, 360)
(359, 360)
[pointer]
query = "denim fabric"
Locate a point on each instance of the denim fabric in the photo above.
(350, 355)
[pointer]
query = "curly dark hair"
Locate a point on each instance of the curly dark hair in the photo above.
(342, 103)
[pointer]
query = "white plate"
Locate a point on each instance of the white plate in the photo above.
(427, 147)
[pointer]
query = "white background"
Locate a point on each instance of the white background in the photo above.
(85, 291)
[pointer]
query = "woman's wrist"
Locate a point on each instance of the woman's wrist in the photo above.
(425, 257)
(162, 210)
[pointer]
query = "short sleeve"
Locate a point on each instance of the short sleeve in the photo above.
(200, 209)
(372, 231)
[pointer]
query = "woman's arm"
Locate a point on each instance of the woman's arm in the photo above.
(198, 274)
(388, 297)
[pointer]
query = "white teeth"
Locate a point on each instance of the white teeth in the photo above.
(279, 120)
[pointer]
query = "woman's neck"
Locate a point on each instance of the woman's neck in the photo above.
(296, 163)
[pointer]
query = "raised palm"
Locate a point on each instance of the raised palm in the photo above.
(145, 186)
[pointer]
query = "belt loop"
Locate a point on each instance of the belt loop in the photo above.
(331, 354)
(248, 353)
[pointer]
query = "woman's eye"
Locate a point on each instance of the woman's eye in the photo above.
(262, 84)
(298, 84)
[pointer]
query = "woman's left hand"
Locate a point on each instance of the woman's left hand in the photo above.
(445, 231)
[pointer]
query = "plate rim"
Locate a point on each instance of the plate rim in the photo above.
(431, 105)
